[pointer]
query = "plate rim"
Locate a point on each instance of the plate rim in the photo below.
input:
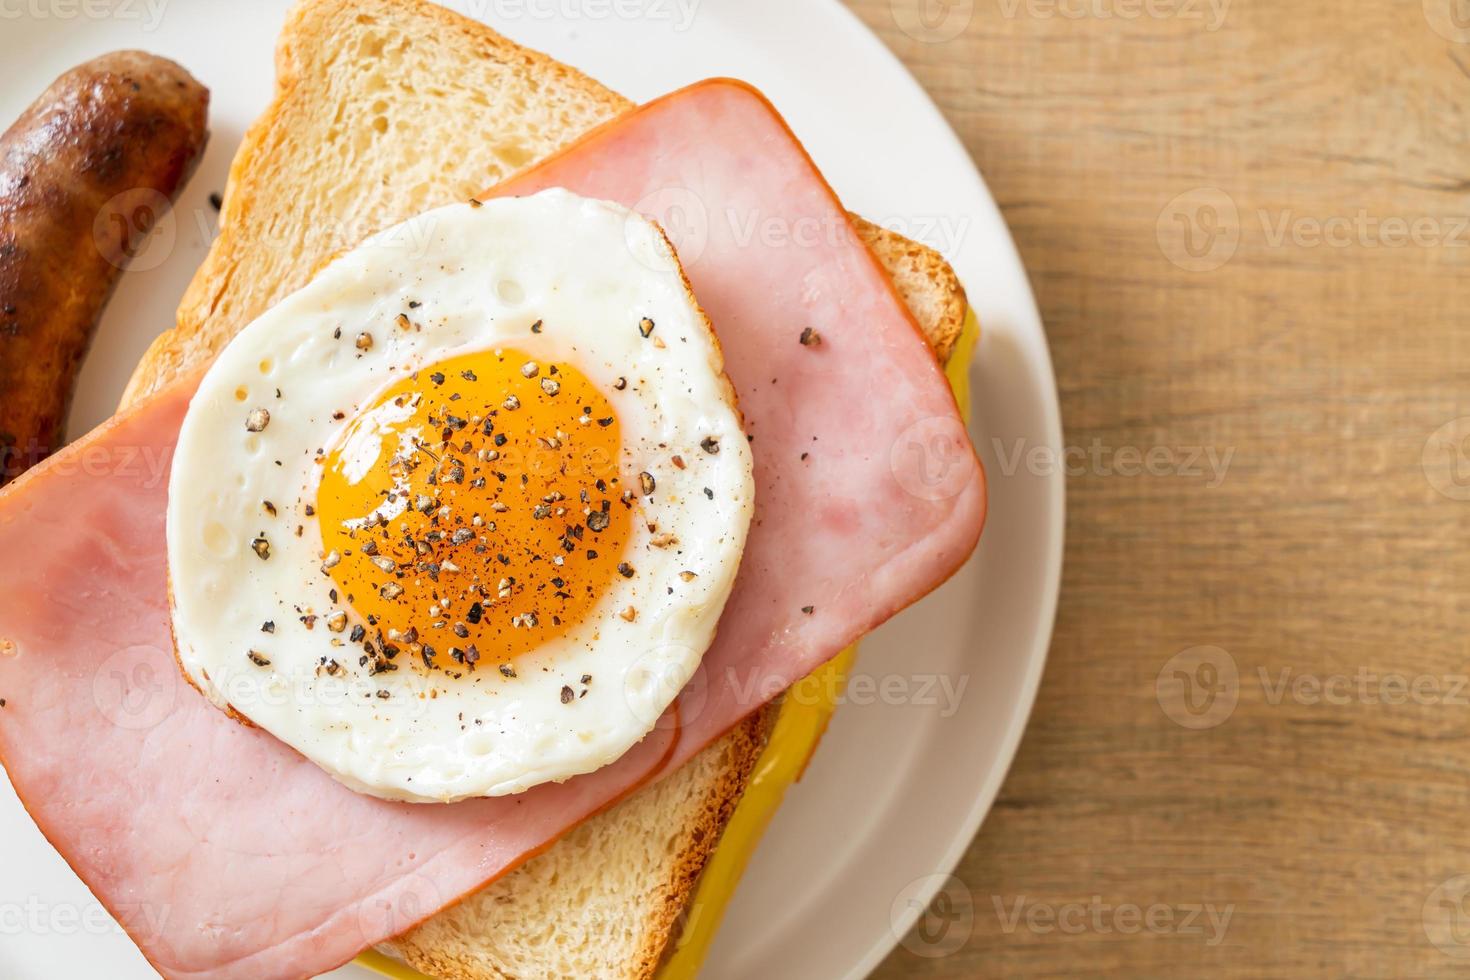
(1028, 320)
(1056, 485)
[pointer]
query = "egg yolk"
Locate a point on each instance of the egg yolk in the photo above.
(473, 511)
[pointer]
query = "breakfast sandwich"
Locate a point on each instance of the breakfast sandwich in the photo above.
(487, 527)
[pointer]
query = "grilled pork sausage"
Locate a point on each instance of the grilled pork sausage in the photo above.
(84, 174)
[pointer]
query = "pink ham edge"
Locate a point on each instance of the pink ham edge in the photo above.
(846, 531)
(221, 851)
(286, 885)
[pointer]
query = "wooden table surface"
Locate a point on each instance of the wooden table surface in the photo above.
(1245, 223)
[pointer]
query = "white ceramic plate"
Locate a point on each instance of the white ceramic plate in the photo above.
(901, 782)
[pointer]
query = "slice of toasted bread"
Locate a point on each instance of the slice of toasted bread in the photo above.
(383, 109)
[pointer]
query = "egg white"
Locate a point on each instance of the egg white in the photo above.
(481, 275)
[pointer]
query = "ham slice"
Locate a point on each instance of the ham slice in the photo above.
(223, 852)
(227, 855)
(868, 492)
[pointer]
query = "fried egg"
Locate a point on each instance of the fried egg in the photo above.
(460, 516)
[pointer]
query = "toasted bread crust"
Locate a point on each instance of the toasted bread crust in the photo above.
(212, 310)
(745, 746)
(235, 284)
(433, 950)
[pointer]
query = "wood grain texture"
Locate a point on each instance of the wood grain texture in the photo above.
(1317, 338)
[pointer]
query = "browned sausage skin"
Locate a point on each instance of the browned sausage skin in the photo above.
(127, 123)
